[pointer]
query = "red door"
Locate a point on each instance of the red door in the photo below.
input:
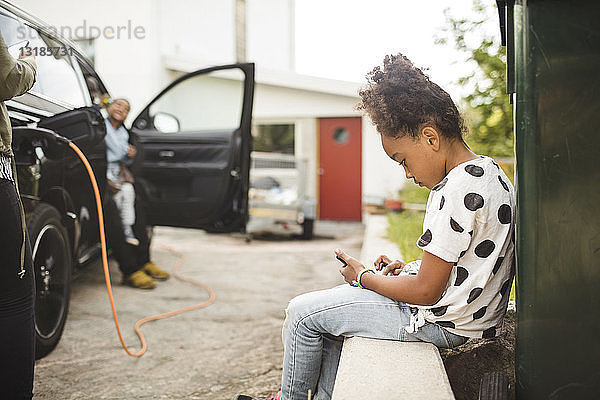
(340, 166)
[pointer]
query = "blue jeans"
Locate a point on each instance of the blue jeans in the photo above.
(317, 322)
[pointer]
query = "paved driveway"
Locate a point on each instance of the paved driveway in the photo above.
(230, 347)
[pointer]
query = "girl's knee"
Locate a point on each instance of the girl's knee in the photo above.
(293, 308)
(290, 315)
(298, 308)
(308, 303)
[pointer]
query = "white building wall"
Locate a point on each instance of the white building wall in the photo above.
(201, 29)
(305, 143)
(128, 66)
(203, 33)
(382, 176)
(205, 102)
(270, 33)
(277, 102)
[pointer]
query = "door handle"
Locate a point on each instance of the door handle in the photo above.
(166, 154)
(320, 171)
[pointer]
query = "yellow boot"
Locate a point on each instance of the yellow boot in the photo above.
(155, 272)
(140, 280)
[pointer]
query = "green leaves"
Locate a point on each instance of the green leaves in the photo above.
(487, 108)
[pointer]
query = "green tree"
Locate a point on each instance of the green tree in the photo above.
(488, 112)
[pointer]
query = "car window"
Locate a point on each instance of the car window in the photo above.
(55, 77)
(206, 102)
(10, 29)
(95, 89)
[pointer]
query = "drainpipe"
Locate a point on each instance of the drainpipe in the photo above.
(240, 30)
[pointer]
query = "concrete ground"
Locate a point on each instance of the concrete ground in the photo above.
(233, 346)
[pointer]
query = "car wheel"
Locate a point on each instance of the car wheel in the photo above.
(308, 229)
(52, 268)
(494, 386)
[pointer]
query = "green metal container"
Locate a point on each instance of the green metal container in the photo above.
(554, 70)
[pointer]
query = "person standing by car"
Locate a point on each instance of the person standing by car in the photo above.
(126, 223)
(17, 287)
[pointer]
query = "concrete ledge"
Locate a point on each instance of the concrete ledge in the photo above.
(375, 242)
(385, 370)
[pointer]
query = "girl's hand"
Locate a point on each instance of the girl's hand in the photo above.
(394, 268)
(388, 266)
(349, 272)
(381, 262)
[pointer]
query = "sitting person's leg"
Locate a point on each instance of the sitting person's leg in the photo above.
(317, 321)
(125, 200)
(123, 253)
(142, 251)
(332, 350)
(337, 312)
(115, 236)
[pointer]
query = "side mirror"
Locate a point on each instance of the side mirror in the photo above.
(165, 123)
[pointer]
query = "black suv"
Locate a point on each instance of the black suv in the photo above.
(191, 169)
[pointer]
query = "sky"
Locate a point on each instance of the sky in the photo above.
(344, 39)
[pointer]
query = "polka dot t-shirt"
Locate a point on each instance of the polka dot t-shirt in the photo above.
(470, 222)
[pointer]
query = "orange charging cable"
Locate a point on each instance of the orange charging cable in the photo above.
(142, 321)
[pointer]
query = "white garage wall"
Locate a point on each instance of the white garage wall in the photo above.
(205, 102)
(382, 177)
(270, 33)
(129, 67)
(202, 29)
(202, 32)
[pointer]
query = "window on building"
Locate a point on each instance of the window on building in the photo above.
(274, 138)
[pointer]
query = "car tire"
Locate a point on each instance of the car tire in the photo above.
(494, 386)
(52, 265)
(308, 229)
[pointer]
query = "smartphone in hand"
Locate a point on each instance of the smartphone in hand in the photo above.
(342, 261)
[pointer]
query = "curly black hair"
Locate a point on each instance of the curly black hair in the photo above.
(401, 100)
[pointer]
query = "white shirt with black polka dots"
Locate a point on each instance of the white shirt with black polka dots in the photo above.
(470, 222)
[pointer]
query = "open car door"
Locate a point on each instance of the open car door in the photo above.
(194, 143)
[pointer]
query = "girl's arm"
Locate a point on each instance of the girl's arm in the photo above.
(425, 288)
